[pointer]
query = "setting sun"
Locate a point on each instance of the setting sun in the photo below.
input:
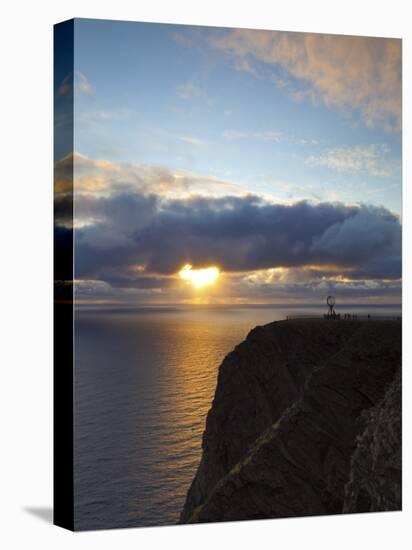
(199, 277)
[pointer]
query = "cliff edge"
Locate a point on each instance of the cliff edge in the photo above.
(288, 433)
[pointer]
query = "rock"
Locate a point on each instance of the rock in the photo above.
(375, 482)
(283, 425)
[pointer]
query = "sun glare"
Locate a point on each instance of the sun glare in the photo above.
(199, 277)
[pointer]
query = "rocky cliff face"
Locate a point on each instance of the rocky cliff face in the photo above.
(283, 426)
(375, 482)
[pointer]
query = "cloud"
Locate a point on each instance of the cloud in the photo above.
(188, 90)
(238, 289)
(102, 177)
(243, 64)
(268, 135)
(367, 159)
(306, 284)
(183, 39)
(197, 142)
(373, 228)
(98, 116)
(359, 73)
(136, 226)
(75, 82)
(239, 234)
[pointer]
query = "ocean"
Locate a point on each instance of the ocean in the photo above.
(144, 382)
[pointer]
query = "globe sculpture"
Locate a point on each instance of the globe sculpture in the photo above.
(330, 300)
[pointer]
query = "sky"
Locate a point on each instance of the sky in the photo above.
(273, 156)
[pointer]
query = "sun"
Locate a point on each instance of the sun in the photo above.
(199, 277)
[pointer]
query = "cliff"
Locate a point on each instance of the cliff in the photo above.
(281, 437)
(375, 482)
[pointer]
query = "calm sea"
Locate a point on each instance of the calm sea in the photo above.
(144, 382)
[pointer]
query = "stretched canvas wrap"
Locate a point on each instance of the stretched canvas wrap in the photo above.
(227, 274)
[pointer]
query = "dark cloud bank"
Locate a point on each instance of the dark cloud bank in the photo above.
(239, 234)
(236, 233)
